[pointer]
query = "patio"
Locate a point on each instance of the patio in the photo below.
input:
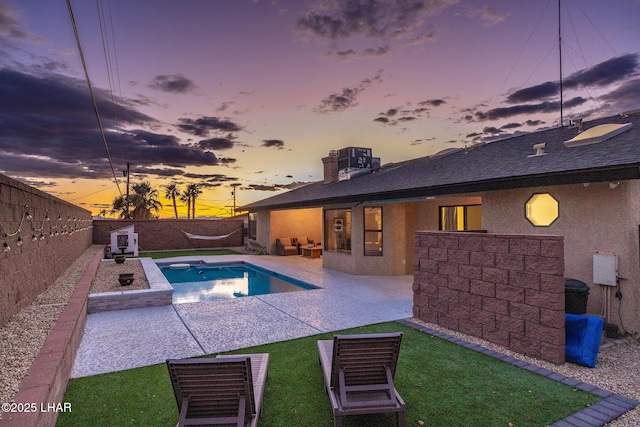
(152, 335)
(124, 339)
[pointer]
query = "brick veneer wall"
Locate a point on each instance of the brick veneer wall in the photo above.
(506, 289)
(27, 270)
(167, 234)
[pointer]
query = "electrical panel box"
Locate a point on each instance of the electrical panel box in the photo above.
(605, 269)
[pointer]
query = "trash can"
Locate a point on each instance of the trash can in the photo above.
(576, 294)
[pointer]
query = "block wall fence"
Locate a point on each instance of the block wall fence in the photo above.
(506, 289)
(168, 234)
(28, 269)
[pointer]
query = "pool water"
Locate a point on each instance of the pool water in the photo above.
(210, 282)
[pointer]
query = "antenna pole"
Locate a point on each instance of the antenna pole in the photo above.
(560, 52)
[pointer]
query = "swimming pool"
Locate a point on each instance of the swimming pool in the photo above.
(193, 282)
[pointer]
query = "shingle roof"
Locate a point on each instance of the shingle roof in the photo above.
(498, 165)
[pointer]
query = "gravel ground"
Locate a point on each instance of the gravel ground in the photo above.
(107, 276)
(618, 367)
(23, 336)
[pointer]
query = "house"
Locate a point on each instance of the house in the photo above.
(581, 182)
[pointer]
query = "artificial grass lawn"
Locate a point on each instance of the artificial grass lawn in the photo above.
(170, 254)
(442, 384)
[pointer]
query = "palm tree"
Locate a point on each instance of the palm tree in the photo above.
(186, 198)
(121, 207)
(144, 200)
(171, 192)
(194, 191)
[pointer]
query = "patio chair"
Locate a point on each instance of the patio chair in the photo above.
(226, 390)
(358, 375)
(284, 246)
(300, 242)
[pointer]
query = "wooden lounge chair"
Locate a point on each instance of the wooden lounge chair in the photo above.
(226, 390)
(358, 374)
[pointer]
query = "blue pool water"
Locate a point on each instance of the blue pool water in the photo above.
(208, 282)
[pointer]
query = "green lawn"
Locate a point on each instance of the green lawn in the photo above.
(442, 384)
(170, 254)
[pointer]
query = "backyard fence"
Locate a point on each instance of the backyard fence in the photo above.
(169, 234)
(42, 237)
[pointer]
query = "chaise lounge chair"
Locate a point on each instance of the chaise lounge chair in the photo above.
(225, 390)
(358, 375)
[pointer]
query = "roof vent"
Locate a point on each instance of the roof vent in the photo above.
(577, 123)
(539, 150)
(597, 134)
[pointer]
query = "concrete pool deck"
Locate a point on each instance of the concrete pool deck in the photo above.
(125, 339)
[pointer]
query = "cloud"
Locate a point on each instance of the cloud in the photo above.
(347, 98)
(511, 126)
(277, 143)
(540, 108)
(625, 96)
(275, 187)
(488, 15)
(432, 102)
(10, 25)
(538, 99)
(49, 130)
(608, 72)
(175, 83)
(217, 143)
(378, 51)
(400, 20)
(204, 125)
(491, 130)
(215, 177)
(396, 115)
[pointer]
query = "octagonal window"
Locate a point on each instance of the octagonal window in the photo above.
(541, 209)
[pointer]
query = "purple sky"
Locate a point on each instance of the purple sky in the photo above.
(255, 93)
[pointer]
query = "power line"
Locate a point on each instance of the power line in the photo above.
(93, 98)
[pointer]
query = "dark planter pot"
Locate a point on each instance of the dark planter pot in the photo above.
(125, 279)
(119, 259)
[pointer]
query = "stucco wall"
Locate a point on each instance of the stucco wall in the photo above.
(593, 219)
(27, 270)
(396, 252)
(428, 212)
(293, 223)
(506, 289)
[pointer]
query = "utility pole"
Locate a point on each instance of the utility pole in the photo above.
(235, 185)
(126, 173)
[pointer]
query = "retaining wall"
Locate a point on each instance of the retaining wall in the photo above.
(506, 289)
(168, 234)
(159, 293)
(28, 269)
(46, 382)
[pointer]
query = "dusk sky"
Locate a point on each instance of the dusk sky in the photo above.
(255, 93)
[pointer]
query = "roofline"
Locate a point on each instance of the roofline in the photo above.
(607, 173)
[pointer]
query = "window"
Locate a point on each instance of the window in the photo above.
(252, 226)
(541, 209)
(337, 230)
(373, 231)
(461, 218)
